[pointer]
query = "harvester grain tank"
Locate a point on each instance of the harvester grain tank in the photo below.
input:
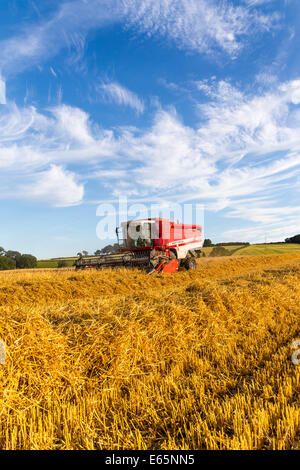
(156, 245)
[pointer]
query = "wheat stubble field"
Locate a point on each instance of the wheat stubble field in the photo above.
(122, 360)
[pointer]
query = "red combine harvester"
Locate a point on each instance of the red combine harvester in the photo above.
(157, 245)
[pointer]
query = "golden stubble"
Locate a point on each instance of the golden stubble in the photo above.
(117, 359)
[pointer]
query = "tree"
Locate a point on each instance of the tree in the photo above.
(85, 253)
(233, 244)
(295, 239)
(15, 255)
(27, 261)
(2, 251)
(108, 249)
(7, 263)
(62, 263)
(207, 242)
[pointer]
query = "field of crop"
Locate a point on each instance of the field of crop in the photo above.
(53, 263)
(257, 250)
(122, 360)
(230, 248)
(268, 249)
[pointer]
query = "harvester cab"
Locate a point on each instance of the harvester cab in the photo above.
(157, 245)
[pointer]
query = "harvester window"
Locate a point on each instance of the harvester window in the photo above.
(138, 235)
(145, 235)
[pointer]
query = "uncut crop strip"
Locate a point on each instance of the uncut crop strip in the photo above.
(194, 360)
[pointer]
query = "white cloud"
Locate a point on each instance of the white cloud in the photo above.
(122, 96)
(274, 224)
(257, 2)
(65, 29)
(240, 125)
(2, 91)
(35, 147)
(243, 145)
(73, 123)
(54, 186)
(167, 154)
(200, 25)
(53, 72)
(172, 86)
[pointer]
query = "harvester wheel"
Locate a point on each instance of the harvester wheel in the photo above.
(190, 264)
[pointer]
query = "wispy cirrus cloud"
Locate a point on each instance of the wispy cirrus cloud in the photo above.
(120, 95)
(264, 224)
(242, 145)
(66, 28)
(198, 25)
(2, 91)
(257, 2)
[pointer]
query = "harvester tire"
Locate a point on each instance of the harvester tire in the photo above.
(190, 263)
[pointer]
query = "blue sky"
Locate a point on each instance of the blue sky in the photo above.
(194, 101)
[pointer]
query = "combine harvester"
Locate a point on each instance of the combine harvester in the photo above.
(156, 245)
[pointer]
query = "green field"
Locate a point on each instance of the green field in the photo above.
(53, 263)
(268, 249)
(231, 248)
(256, 250)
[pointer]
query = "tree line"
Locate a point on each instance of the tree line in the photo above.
(14, 260)
(108, 249)
(208, 242)
(104, 251)
(295, 239)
